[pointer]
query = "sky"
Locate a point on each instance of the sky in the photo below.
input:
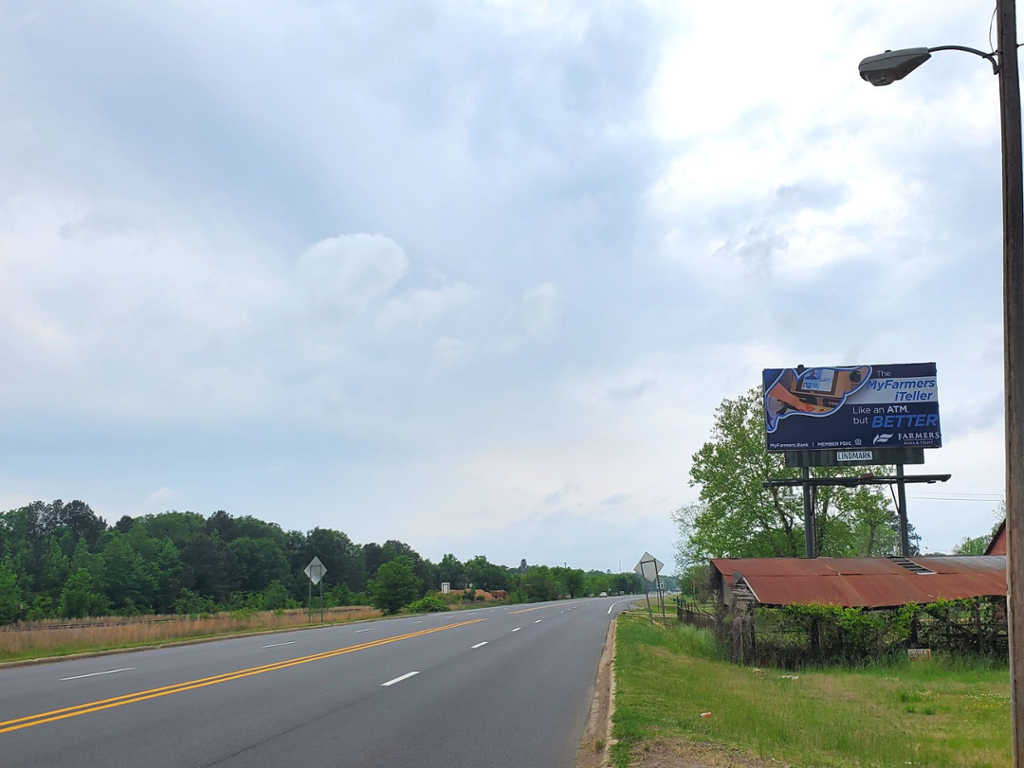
(474, 275)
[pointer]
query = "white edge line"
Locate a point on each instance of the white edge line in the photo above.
(274, 645)
(399, 679)
(93, 674)
(478, 645)
(362, 630)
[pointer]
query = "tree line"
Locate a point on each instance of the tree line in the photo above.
(62, 560)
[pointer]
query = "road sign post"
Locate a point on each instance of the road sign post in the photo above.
(315, 572)
(648, 569)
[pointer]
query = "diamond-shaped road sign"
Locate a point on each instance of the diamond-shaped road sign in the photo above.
(649, 567)
(315, 570)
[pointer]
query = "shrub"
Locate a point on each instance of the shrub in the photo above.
(428, 604)
(395, 585)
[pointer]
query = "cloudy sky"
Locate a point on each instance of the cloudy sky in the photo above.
(475, 274)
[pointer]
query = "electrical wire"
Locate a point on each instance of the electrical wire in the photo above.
(991, 23)
(948, 498)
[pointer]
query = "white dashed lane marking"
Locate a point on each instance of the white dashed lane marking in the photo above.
(399, 679)
(94, 674)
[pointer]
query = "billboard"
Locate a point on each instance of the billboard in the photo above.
(860, 406)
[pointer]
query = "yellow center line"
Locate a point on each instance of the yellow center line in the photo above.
(524, 610)
(154, 693)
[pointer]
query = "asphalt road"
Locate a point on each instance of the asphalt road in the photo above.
(504, 687)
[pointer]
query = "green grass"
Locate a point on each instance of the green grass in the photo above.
(935, 713)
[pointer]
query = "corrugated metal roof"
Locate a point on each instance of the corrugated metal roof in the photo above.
(867, 582)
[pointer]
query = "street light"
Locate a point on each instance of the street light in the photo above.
(885, 69)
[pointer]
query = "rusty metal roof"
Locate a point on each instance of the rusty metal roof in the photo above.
(867, 582)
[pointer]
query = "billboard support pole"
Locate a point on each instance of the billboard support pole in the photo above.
(808, 515)
(901, 491)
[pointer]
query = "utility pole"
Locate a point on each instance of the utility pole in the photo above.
(1013, 360)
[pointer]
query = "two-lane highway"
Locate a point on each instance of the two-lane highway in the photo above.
(506, 686)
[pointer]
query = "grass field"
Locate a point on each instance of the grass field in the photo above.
(105, 634)
(938, 713)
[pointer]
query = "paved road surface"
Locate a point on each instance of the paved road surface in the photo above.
(504, 687)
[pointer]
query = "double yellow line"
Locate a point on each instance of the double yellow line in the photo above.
(155, 693)
(522, 610)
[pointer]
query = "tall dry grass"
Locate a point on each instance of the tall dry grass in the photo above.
(59, 637)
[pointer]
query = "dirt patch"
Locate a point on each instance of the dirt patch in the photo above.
(687, 754)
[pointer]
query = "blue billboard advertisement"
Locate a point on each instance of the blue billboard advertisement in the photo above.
(852, 407)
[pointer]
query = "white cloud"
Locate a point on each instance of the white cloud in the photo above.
(541, 309)
(160, 500)
(345, 273)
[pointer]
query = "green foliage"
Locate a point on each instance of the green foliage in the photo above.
(10, 595)
(184, 562)
(428, 604)
(189, 603)
(394, 587)
(79, 599)
(276, 597)
(736, 516)
(798, 635)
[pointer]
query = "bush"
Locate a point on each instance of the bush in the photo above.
(428, 604)
(42, 608)
(189, 602)
(395, 586)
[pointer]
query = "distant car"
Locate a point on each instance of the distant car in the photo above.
(604, 594)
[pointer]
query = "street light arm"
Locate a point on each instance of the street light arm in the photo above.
(990, 56)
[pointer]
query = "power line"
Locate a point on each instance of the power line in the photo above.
(952, 498)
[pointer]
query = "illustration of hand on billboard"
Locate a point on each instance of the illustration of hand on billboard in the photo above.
(814, 392)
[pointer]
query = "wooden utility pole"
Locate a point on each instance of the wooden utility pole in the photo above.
(1013, 361)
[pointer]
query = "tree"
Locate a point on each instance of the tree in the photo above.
(450, 570)
(574, 582)
(127, 581)
(209, 567)
(10, 594)
(539, 584)
(395, 586)
(972, 545)
(736, 516)
(79, 599)
(55, 568)
(485, 575)
(259, 562)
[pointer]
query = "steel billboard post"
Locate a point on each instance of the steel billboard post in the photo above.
(808, 514)
(901, 491)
